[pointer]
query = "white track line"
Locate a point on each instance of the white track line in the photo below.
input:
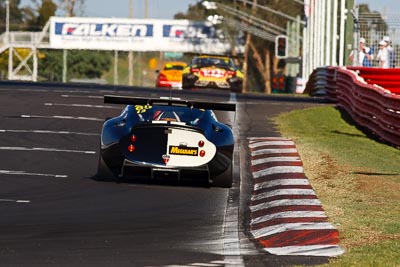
(8, 172)
(60, 117)
(16, 148)
(232, 98)
(83, 96)
(46, 132)
(15, 200)
(231, 239)
(82, 106)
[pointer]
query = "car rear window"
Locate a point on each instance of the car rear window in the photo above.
(184, 114)
(173, 67)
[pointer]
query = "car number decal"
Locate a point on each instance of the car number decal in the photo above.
(142, 108)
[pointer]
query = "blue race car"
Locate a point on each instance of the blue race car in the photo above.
(167, 139)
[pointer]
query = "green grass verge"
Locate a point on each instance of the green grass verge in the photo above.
(356, 178)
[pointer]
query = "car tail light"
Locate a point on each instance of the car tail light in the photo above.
(201, 143)
(133, 139)
(231, 73)
(194, 70)
(202, 153)
(131, 148)
(162, 77)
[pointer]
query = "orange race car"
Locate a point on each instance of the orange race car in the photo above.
(171, 75)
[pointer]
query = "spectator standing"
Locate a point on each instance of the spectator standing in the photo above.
(390, 51)
(383, 55)
(365, 56)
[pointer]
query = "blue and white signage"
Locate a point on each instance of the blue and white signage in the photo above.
(104, 30)
(135, 35)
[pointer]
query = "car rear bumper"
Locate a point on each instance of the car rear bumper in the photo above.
(124, 168)
(233, 84)
(169, 84)
(139, 171)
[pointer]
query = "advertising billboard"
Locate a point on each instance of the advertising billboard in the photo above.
(135, 35)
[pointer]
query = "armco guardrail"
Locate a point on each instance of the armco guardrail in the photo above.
(372, 106)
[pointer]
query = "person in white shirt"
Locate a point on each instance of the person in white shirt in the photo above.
(383, 55)
(390, 51)
(364, 54)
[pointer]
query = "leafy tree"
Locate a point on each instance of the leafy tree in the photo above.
(81, 64)
(16, 15)
(37, 16)
(50, 67)
(46, 10)
(194, 12)
(368, 19)
(90, 64)
(72, 7)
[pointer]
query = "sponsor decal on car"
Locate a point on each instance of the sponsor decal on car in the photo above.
(217, 73)
(183, 150)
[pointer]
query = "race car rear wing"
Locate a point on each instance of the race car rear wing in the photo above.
(129, 100)
(230, 55)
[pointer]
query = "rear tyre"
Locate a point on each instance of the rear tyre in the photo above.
(224, 180)
(103, 172)
(236, 89)
(186, 86)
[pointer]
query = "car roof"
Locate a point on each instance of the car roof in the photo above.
(175, 63)
(213, 56)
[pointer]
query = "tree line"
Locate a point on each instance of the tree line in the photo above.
(256, 62)
(33, 17)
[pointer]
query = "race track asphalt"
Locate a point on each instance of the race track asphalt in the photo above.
(54, 213)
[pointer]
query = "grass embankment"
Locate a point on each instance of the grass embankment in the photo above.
(356, 178)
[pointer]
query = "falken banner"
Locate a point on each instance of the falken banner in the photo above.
(135, 35)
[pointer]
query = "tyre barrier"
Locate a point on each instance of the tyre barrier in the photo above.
(370, 96)
(286, 216)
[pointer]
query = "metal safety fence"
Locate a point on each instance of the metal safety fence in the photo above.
(374, 27)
